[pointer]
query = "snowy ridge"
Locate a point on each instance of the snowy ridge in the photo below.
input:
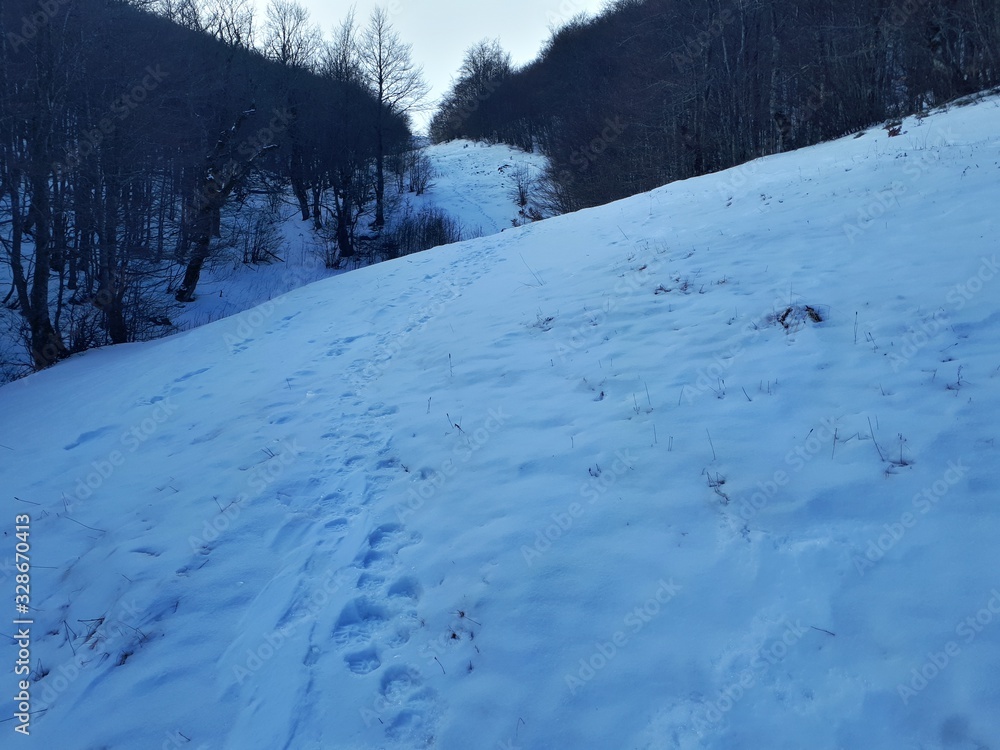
(711, 467)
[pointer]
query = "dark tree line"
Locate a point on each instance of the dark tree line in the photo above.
(658, 90)
(125, 134)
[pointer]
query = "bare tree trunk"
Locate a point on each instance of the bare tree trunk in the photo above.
(46, 345)
(317, 207)
(343, 226)
(380, 171)
(210, 200)
(109, 294)
(192, 272)
(298, 181)
(209, 204)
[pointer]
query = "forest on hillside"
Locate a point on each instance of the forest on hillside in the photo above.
(129, 130)
(653, 91)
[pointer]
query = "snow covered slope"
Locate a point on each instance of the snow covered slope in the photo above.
(712, 467)
(472, 183)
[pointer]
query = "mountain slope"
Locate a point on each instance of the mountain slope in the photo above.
(470, 182)
(711, 467)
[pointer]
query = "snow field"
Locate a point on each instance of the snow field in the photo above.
(711, 467)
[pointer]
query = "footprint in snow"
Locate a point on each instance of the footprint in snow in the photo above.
(86, 437)
(190, 375)
(406, 588)
(410, 705)
(363, 662)
(359, 620)
(383, 544)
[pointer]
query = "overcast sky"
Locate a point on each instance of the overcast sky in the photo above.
(441, 30)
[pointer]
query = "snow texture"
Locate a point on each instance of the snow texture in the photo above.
(711, 467)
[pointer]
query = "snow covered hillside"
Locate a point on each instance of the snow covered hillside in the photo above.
(476, 182)
(711, 467)
(471, 182)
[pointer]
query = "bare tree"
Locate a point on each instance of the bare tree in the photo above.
(341, 58)
(111, 156)
(230, 21)
(289, 36)
(466, 109)
(348, 172)
(220, 180)
(396, 83)
(33, 93)
(182, 12)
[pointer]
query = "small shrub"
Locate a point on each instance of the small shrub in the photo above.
(417, 232)
(795, 315)
(523, 184)
(421, 173)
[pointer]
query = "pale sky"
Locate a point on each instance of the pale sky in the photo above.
(441, 30)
